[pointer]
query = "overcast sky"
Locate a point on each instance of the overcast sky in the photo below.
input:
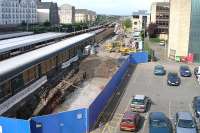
(114, 7)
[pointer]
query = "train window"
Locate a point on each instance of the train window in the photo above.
(71, 53)
(30, 74)
(67, 54)
(17, 83)
(59, 58)
(43, 67)
(1, 92)
(7, 88)
(53, 62)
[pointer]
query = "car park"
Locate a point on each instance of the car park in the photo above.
(185, 123)
(130, 121)
(173, 79)
(159, 123)
(159, 70)
(140, 103)
(197, 72)
(196, 106)
(185, 71)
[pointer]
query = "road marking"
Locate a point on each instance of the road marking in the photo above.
(170, 117)
(190, 109)
(145, 121)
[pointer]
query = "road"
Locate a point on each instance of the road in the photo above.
(165, 98)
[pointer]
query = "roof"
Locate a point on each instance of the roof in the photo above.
(46, 5)
(185, 115)
(85, 11)
(12, 35)
(139, 97)
(129, 115)
(13, 66)
(10, 44)
(157, 116)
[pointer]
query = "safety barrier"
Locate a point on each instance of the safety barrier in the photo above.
(8, 125)
(67, 122)
(99, 103)
(76, 121)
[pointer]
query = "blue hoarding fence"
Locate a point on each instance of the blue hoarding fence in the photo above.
(8, 125)
(99, 103)
(139, 57)
(75, 121)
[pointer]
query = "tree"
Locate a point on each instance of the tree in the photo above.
(46, 23)
(127, 23)
(152, 30)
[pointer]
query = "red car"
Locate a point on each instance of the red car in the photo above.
(130, 121)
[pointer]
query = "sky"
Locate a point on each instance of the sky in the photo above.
(109, 7)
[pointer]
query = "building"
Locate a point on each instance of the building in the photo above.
(140, 20)
(15, 12)
(67, 14)
(47, 12)
(84, 15)
(160, 16)
(184, 29)
(92, 16)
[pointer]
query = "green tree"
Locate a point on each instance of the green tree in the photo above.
(127, 23)
(46, 23)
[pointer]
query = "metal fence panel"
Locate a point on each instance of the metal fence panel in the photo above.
(99, 103)
(66, 122)
(8, 125)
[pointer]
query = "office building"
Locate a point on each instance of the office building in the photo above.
(84, 15)
(67, 14)
(140, 20)
(184, 29)
(160, 16)
(47, 12)
(15, 12)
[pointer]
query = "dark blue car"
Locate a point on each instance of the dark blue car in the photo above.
(173, 79)
(196, 106)
(159, 123)
(185, 71)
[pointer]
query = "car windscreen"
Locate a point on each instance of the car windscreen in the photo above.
(138, 101)
(128, 121)
(158, 123)
(186, 123)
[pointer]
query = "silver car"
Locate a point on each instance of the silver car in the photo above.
(185, 123)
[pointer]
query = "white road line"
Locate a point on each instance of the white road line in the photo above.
(145, 121)
(170, 117)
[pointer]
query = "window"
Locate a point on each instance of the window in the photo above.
(30, 74)
(17, 83)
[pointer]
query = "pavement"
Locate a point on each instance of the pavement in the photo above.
(165, 98)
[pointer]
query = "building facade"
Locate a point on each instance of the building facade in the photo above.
(14, 12)
(160, 16)
(67, 14)
(140, 20)
(184, 29)
(47, 12)
(84, 15)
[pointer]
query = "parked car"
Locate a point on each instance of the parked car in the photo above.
(140, 103)
(159, 70)
(173, 79)
(162, 43)
(159, 123)
(196, 106)
(185, 123)
(130, 121)
(185, 71)
(196, 72)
